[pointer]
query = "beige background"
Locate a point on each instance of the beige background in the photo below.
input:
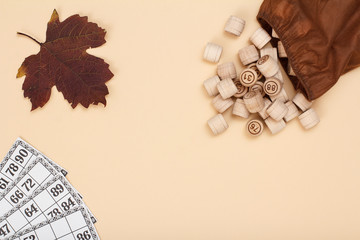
(148, 165)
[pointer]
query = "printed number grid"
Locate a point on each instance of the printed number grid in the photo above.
(14, 164)
(55, 198)
(18, 157)
(53, 164)
(35, 175)
(72, 225)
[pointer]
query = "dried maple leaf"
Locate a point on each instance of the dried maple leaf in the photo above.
(64, 62)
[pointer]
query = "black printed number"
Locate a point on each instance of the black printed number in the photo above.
(54, 212)
(31, 237)
(12, 169)
(67, 205)
(16, 197)
(20, 157)
(31, 210)
(28, 184)
(3, 183)
(55, 191)
(84, 236)
(4, 230)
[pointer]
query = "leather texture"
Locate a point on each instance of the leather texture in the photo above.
(320, 37)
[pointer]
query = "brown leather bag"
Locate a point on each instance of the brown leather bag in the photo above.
(321, 39)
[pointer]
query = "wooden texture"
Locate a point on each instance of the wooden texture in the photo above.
(273, 86)
(210, 85)
(263, 113)
(242, 90)
(275, 126)
(279, 76)
(227, 88)
(277, 110)
(220, 104)
(260, 37)
(212, 52)
(217, 124)
(151, 153)
(235, 25)
(226, 70)
(248, 55)
(301, 101)
(253, 67)
(248, 77)
(309, 119)
(267, 66)
(258, 86)
(255, 127)
(282, 96)
(254, 102)
(240, 109)
(293, 111)
(272, 52)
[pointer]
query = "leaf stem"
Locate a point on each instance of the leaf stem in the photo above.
(30, 38)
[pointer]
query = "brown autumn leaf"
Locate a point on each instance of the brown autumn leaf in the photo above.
(64, 62)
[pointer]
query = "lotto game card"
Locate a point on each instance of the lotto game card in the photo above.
(34, 176)
(71, 225)
(54, 198)
(19, 156)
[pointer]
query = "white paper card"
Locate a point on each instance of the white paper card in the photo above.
(72, 225)
(54, 198)
(19, 156)
(35, 175)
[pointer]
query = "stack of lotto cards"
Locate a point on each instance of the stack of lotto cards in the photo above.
(36, 200)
